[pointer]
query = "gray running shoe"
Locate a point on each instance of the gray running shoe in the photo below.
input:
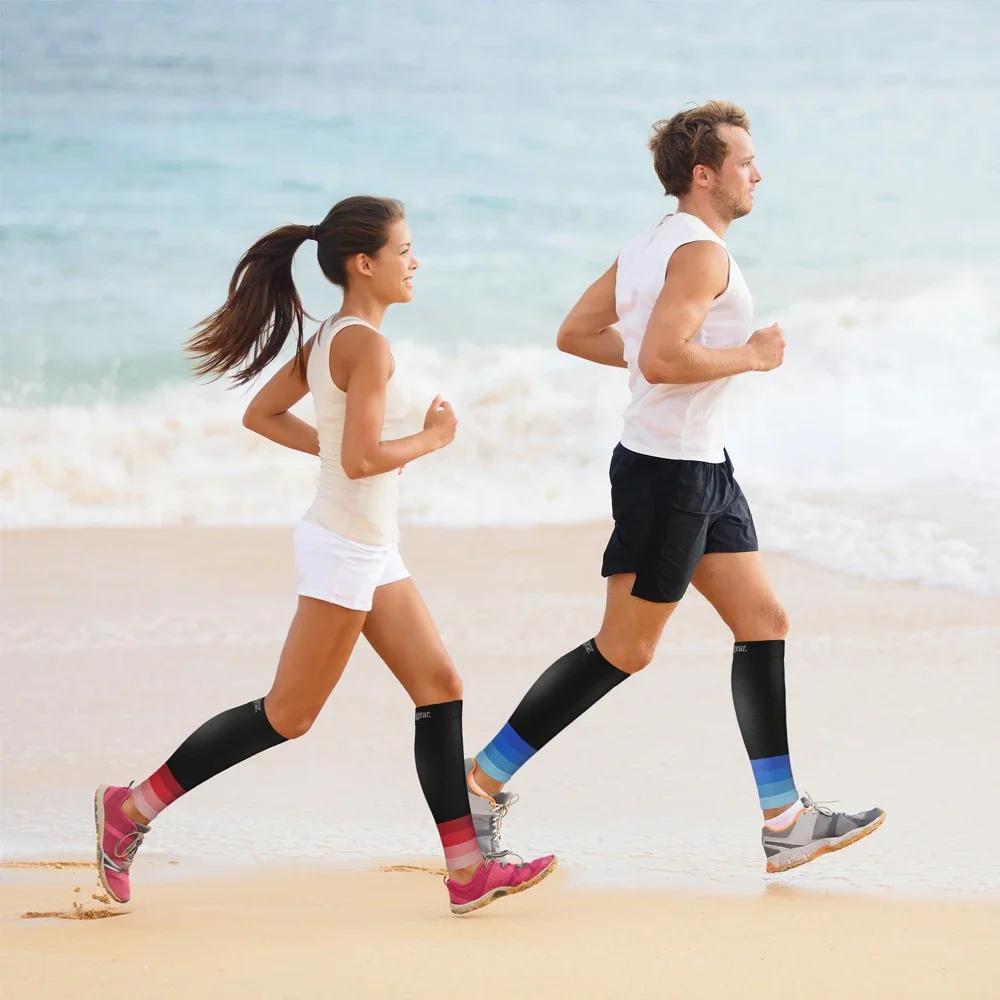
(815, 831)
(488, 812)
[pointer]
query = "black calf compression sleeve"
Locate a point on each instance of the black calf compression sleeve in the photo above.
(758, 682)
(563, 693)
(223, 741)
(437, 749)
(220, 743)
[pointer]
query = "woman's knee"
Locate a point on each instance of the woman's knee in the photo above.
(289, 719)
(441, 683)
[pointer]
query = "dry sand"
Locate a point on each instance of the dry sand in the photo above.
(892, 695)
(304, 933)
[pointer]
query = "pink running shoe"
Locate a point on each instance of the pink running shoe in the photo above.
(118, 838)
(495, 879)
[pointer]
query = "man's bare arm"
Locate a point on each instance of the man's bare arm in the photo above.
(589, 331)
(697, 274)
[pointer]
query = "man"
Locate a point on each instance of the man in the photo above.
(683, 315)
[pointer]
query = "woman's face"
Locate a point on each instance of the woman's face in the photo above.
(391, 269)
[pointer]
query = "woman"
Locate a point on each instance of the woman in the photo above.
(351, 577)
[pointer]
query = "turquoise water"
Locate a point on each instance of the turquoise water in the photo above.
(145, 146)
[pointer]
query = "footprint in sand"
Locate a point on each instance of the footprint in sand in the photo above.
(79, 912)
(421, 869)
(58, 865)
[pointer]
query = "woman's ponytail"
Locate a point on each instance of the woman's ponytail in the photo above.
(244, 335)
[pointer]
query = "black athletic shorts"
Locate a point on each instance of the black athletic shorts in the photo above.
(668, 514)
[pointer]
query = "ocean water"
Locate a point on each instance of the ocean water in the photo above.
(145, 146)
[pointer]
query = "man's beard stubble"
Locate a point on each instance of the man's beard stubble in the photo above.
(729, 206)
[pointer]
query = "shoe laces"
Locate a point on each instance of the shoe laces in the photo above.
(498, 810)
(821, 806)
(507, 864)
(126, 847)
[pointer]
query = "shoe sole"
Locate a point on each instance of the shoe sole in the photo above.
(99, 823)
(821, 847)
(494, 894)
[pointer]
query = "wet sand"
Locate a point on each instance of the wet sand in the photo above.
(116, 643)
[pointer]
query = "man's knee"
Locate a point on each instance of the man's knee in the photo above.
(769, 621)
(637, 658)
(779, 621)
(628, 654)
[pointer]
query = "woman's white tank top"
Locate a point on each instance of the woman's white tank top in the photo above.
(363, 510)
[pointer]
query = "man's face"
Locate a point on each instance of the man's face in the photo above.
(732, 185)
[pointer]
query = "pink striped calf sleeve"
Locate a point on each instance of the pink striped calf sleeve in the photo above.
(154, 794)
(458, 837)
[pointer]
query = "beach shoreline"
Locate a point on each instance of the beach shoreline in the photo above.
(890, 689)
(648, 799)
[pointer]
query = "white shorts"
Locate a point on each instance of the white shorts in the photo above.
(340, 571)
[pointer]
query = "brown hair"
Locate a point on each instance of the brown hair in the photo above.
(245, 334)
(691, 137)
